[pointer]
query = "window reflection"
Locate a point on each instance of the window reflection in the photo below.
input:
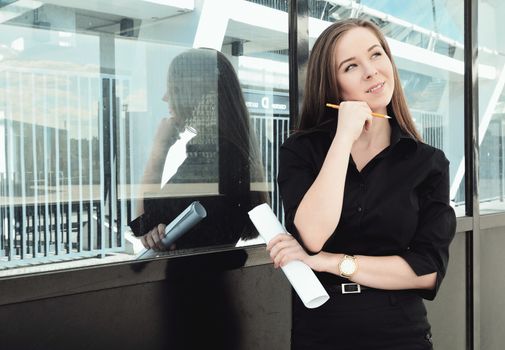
(491, 108)
(81, 87)
(209, 128)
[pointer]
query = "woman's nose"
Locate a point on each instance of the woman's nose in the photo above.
(370, 72)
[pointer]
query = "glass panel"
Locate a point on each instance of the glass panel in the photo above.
(108, 114)
(491, 106)
(447, 312)
(492, 281)
(426, 40)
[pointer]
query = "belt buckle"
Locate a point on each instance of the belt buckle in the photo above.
(346, 290)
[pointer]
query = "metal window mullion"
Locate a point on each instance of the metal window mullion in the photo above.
(101, 212)
(131, 164)
(47, 231)
(36, 238)
(113, 179)
(284, 130)
(122, 163)
(91, 218)
(9, 164)
(23, 169)
(268, 160)
(58, 218)
(69, 167)
(472, 242)
(79, 152)
(272, 155)
(298, 36)
(279, 137)
(3, 175)
(3, 218)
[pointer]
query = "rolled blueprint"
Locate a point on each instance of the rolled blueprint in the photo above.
(179, 226)
(301, 277)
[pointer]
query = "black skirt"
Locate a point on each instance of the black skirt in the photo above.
(373, 319)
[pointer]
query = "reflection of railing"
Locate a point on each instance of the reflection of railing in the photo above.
(492, 167)
(431, 127)
(65, 165)
(63, 144)
(271, 133)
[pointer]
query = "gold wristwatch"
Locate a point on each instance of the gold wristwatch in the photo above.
(348, 266)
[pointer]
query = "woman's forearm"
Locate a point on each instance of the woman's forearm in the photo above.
(381, 272)
(319, 211)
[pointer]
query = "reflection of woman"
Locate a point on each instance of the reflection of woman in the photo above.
(203, 92)
(366, 198)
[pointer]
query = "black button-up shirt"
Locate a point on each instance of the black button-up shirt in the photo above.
(397, 205)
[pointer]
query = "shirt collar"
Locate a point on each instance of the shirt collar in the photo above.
(401, 137)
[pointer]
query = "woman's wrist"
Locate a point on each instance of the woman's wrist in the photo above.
(329, 262)
(341, 141)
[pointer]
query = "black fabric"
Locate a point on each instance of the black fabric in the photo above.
(375, 320)
(397, 205)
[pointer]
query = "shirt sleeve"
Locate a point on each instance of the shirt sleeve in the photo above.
(429, 250)
(296, 175)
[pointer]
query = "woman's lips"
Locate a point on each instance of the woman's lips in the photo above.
(376, 88)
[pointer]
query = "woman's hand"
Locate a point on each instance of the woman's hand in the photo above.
(353, 118)
(284, 248)
(152, 239)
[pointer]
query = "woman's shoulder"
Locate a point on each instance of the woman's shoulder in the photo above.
(434, 155)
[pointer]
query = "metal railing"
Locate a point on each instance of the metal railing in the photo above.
(63, 139)
(271, 131)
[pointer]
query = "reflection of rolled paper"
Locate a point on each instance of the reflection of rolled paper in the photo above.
(179, 226)
(301, 277)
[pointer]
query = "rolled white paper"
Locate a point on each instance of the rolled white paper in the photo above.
(192, 215)
(302, 278)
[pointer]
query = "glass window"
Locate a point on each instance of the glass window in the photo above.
(426, 40)
(491, 107)
(126, 112)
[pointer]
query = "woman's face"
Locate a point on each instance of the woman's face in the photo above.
(364, 72)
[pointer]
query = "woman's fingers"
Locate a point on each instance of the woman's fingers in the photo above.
(354, 117)
(153, 239)
(279, 237)
(284, 248)
(149, 240)
(158, 245)
(287, 255)
(143, 240)
(274, 251)
(160, 231)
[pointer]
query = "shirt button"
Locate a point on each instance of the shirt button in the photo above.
(359, 209)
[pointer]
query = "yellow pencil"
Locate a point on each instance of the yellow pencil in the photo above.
(378, 115)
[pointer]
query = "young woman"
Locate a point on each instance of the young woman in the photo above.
(366, 201)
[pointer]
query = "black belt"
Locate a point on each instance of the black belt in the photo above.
(348, 288)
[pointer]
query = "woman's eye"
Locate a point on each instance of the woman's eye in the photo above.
(376, 54)
(349, 67)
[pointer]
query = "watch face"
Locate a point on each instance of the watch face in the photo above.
(348, 266)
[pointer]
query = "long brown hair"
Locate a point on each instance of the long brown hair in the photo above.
(321, 84)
